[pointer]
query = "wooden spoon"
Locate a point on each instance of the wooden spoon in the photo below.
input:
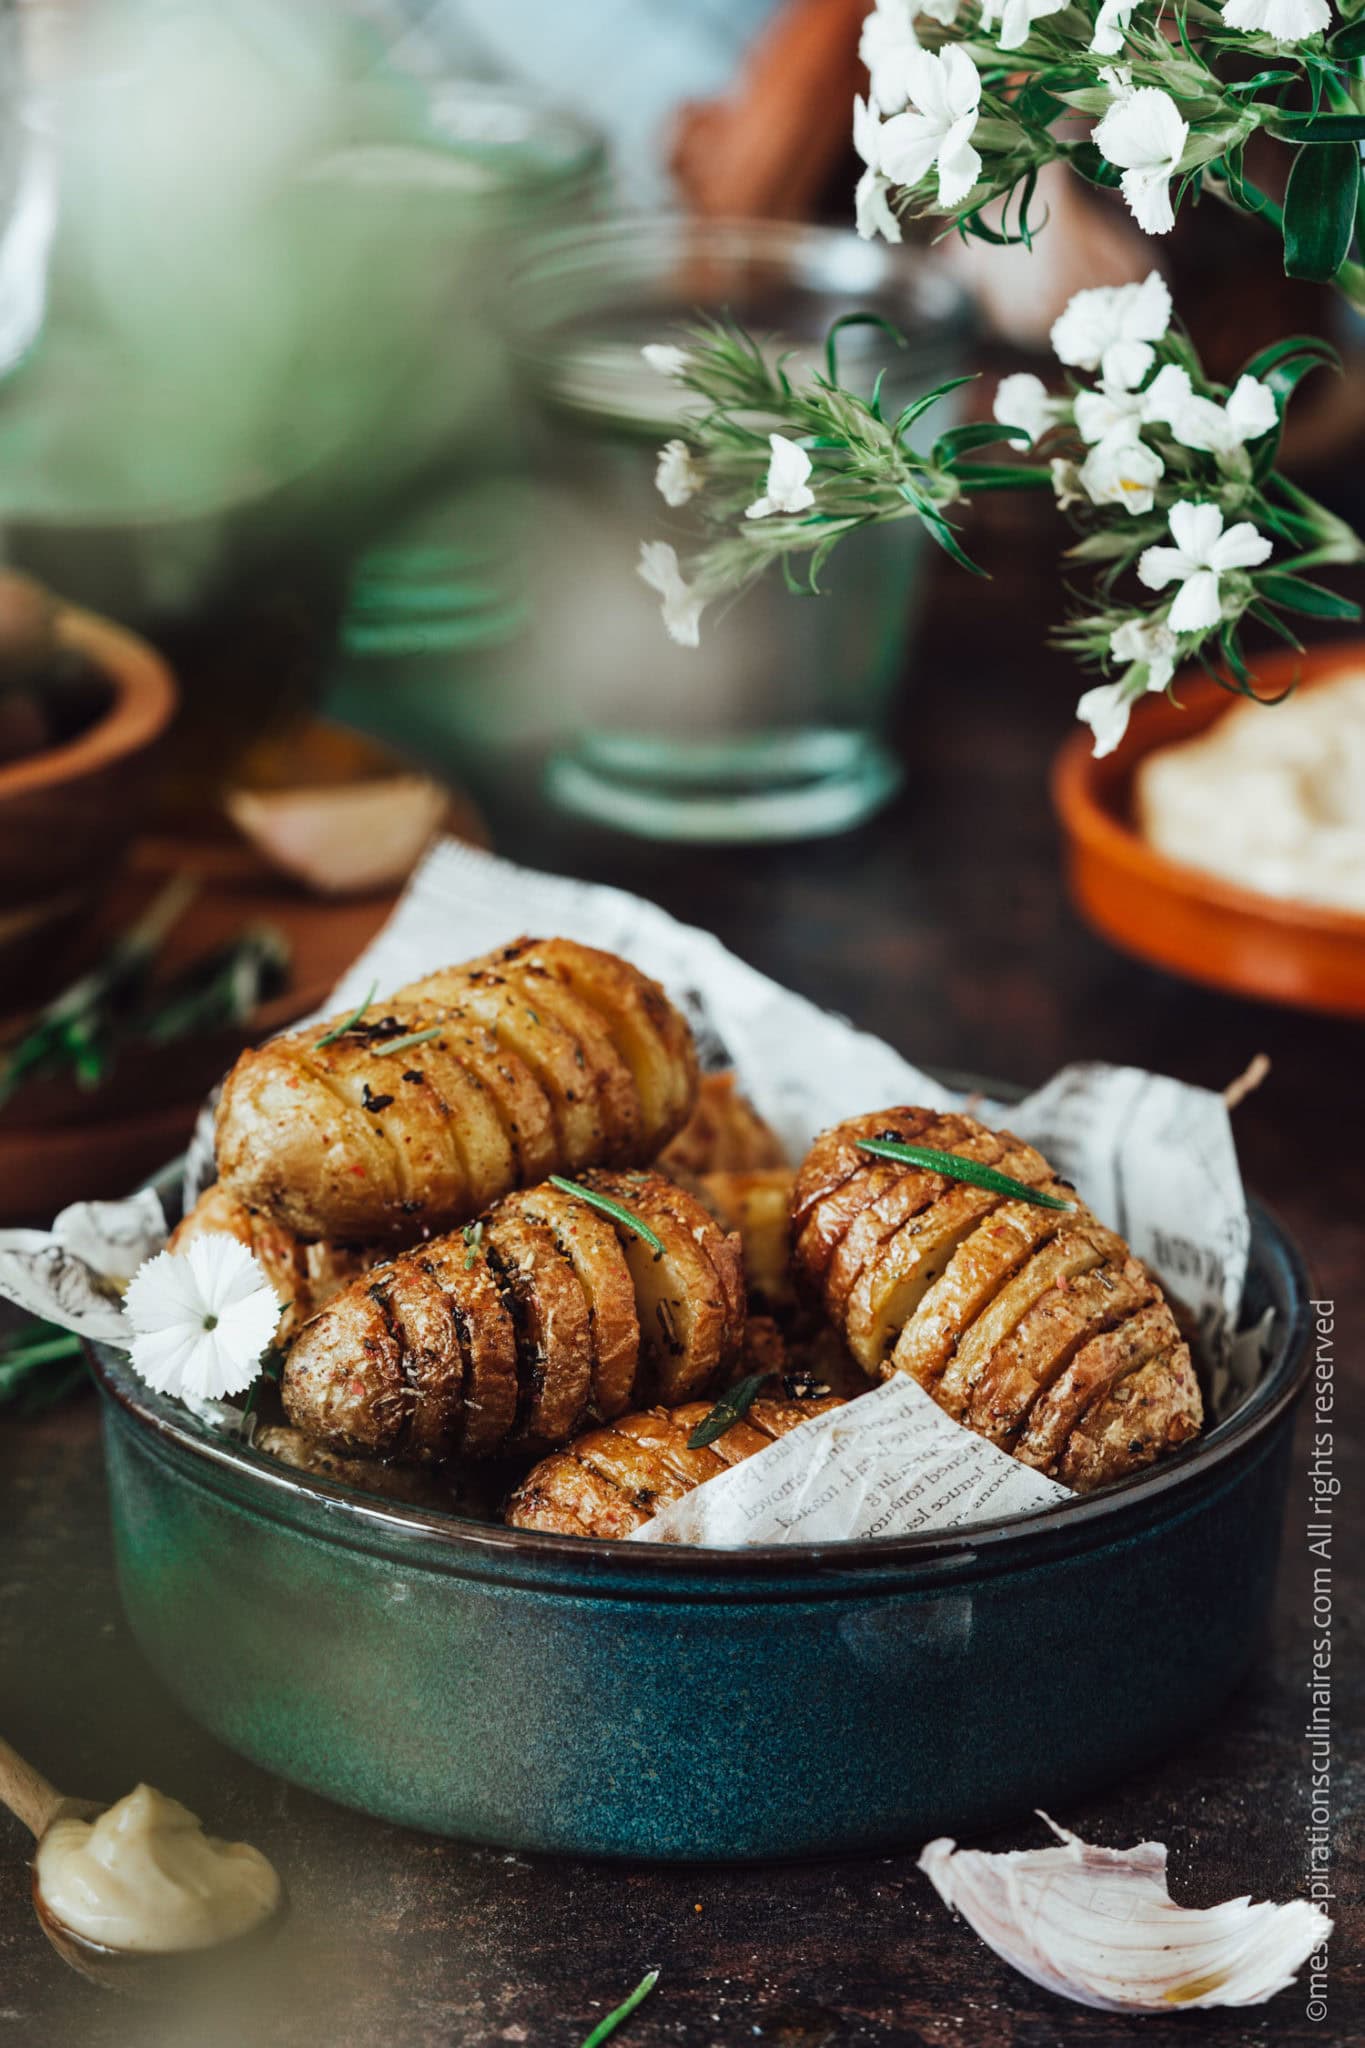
(142, 1972)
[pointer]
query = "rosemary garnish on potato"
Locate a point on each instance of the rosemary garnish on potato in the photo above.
(347, 1023)
(608, 2026)
(409, 1039)
(616, 1210)
(473, 1237)
(732, 1407)
(954, 1167)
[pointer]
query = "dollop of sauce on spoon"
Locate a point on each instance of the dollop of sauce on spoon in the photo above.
(144, 1876)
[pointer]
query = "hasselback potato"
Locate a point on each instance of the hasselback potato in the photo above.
(515, 1331)
(1034, 1326)
(419, 1111)
(609, 1481)
(305, 1276)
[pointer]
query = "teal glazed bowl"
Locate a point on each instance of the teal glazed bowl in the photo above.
(619, 1699)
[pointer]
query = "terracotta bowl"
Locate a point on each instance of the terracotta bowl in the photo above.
(1178, 917)
(68, 814)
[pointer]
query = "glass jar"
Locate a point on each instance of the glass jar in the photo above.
(775, 727)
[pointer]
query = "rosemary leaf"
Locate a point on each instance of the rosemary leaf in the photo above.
(732, 1407)
(347, 1023)
(616, 1210)
(608, 2026)
(954, 1167)
(473, 1237)
(411, 1038)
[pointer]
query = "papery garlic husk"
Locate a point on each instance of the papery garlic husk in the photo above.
(1099, 1926)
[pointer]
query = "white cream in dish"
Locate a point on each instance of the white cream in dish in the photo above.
(1272, 797)
(144, 1876)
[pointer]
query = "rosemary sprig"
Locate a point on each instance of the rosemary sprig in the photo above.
(616, 1210)
(347, 1023)
(408, 1040)
(608, 2026)
(732, 1407)
(473, 1237)
(954, 1167)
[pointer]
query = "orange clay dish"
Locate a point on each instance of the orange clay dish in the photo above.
(1179, 917)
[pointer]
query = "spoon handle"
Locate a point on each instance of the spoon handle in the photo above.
(26, 1792)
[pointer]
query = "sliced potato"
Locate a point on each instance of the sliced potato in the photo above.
(487, 1339)
(511, 1085)
(602, 1072)
(344, 1380)
(836, 1155)
(433, 1364)
(756, 1205)
(1101, 1361)
(1152, 1411)
(985, 1259)
(640, 1473)
(554, 1344)
(564, 1496)
(1073, 1251)
(686, 1328)
(1045, 1340)
(592, 1247)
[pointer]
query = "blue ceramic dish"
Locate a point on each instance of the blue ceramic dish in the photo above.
(617, 1699)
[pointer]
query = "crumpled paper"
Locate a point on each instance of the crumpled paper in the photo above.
(1154, 1158)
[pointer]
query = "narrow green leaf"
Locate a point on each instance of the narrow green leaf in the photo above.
(1348, 42)
(1298, 594)
(979, 434)
(1320, 210)
(733, 1405)
(954, 1167)
(856, 320)
(616, 1210)
(1317, 129)
(347, 1023)
(407, 1041)
(948, 541)
(911, 412)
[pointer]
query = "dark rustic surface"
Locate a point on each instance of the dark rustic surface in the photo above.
(943, 927)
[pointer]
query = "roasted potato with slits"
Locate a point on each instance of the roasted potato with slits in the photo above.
(610, 1481)
(518, 1330)
(304, 1276)
(1035, 1326)
(545, 1057)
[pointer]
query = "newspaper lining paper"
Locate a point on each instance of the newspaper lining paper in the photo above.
(1153, 1157)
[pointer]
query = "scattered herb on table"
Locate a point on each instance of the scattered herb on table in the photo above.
(616, 1210)
(605, 2028)
(732, 1407)
(954, 1167)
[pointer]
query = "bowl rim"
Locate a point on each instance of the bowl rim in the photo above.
(1007, 1541)
(1092, 820)
(143, 703)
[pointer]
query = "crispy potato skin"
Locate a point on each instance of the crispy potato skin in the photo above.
(304, 1276)
(508, 1335)
(611, 1481)
(351, 1141)
(724, 1134)
(1035, 1327)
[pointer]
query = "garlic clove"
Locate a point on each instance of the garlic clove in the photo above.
(1099, 1926)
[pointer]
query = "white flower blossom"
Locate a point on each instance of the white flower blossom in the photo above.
(1112, 22)
(1202, 423)
(887, 41)
(1150, 647)
(677, 477)
(787, 488)
(663, 357)
(943, 11)
(1288, 21)
(1121, 470)
(1203, 553)
(873, 211)
(682, 606)
(1109, 412)
(1066, 482)
(1144, 135)
(200, 1318)
(945, 92)
(1151, 642)
(1110, 328)
(1017, 18)
(1024, 401)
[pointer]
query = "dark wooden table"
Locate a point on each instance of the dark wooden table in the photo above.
(943, 927)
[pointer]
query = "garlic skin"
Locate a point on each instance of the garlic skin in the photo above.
(1099, 1926)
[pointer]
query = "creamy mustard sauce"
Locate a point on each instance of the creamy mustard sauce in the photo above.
(145, 1876)
(1272, 797)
